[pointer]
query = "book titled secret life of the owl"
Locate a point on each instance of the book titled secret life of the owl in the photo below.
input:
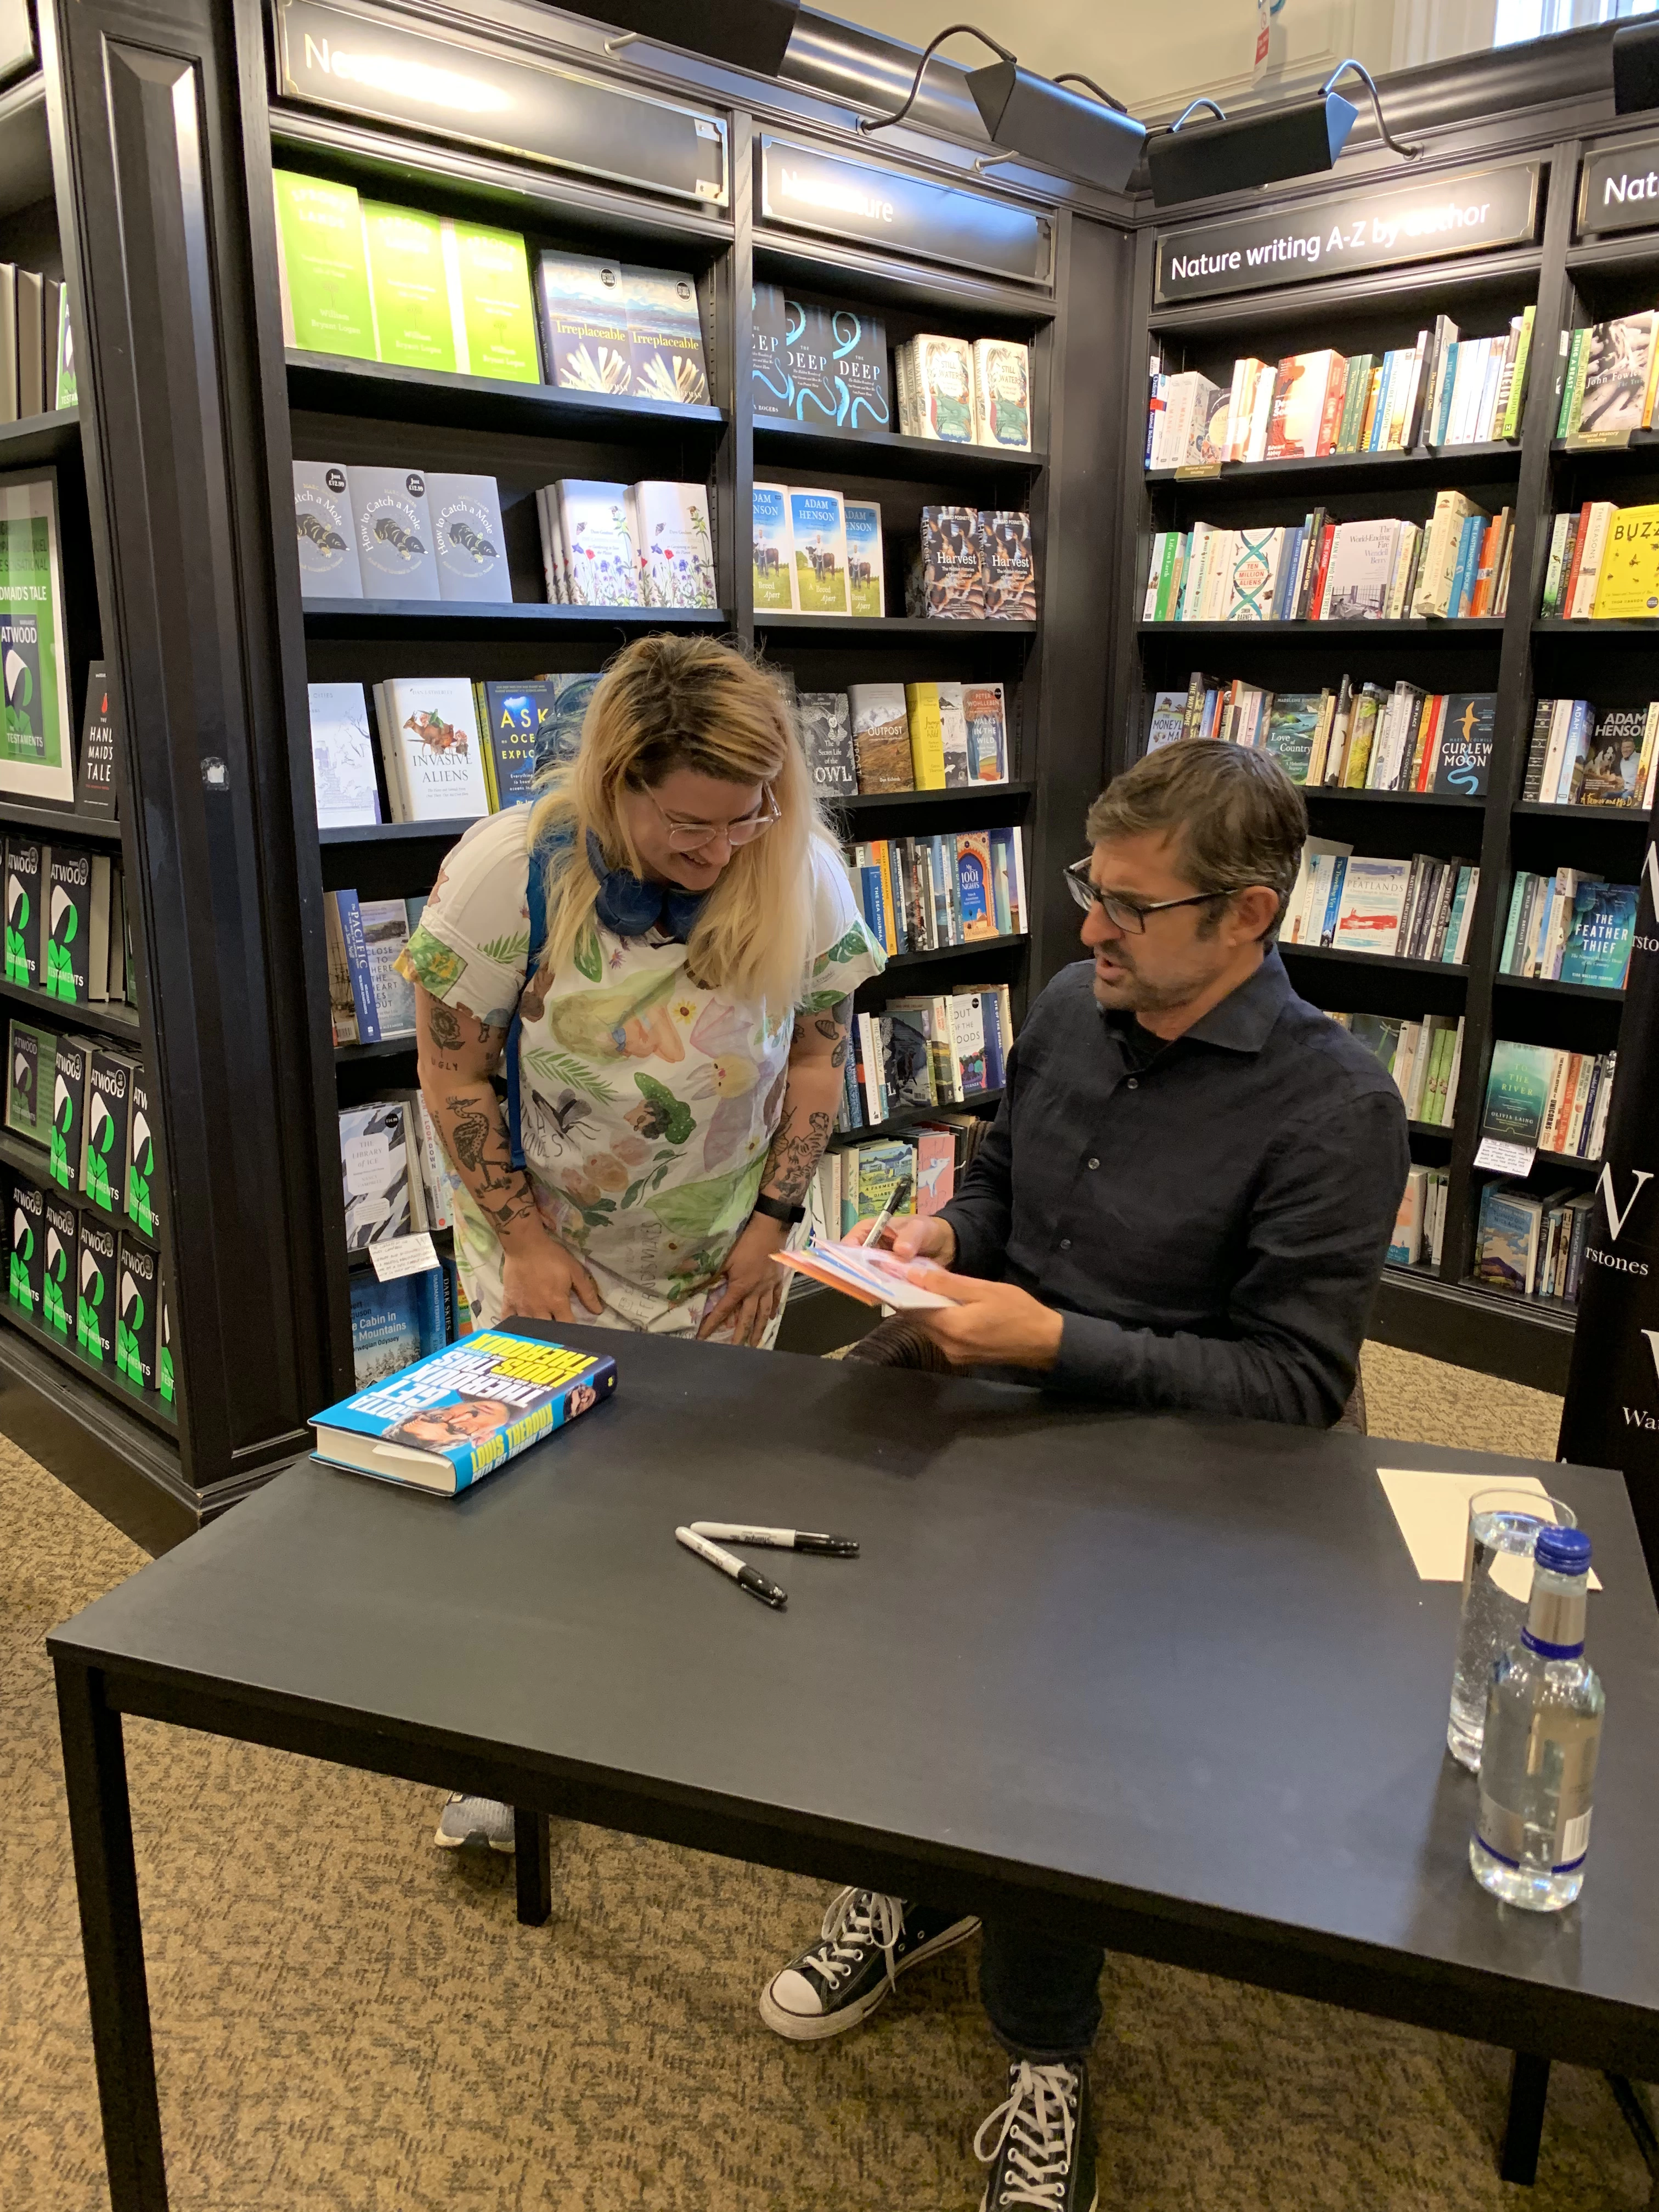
(458, 1414)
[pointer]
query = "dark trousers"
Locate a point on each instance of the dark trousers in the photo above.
(1042, 1996)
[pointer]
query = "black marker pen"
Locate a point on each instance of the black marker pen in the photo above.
(741, 1573)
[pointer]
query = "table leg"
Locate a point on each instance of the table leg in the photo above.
(1628, 2098)
(111, 1939)
(533, 1862)
(1529, 2083)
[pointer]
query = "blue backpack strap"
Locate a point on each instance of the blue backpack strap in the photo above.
(535, 891)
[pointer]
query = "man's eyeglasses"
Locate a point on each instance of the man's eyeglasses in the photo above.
(1125, 914)
(690, 836)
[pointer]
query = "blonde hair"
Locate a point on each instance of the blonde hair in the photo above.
(667, 702)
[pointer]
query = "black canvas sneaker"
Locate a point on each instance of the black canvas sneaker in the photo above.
(1044, 2153)
(866, 1943)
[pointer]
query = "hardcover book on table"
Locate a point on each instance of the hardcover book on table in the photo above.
(665, 336)
(326, 533)
(37, 741)
(392, 528)
(342, 756)
(584, 317)
(409, 287)
(467, 538)
(457, 1415)
(322, 267)
(493, 314)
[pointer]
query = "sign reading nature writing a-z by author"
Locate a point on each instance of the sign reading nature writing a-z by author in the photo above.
(1380, 228)
(1618, 188)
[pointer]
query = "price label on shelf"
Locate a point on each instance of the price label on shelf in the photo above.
(1190, 471)
(402, 1256)
(1507, 1159)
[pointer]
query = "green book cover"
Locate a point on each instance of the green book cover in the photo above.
(30, 1061)
(409, 287)
(136, 1281)
(109, 1114)
(56, 1289)
(37, 750)
(94, 1281)
(325, 271)
(23, 866)
(494, 315)
(67, 394)
(69, 1090)
(66, 939)
(1291, 728)
(164, 1378)
(28, 1245)
(1517, 1091)
(881, 1168)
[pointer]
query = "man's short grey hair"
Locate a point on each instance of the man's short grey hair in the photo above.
(1238, 817)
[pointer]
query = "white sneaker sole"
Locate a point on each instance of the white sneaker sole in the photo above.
(460, 1842)
(1093, 2204)
(818, 2028)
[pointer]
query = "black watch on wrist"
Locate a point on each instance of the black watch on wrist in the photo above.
(776, 1210)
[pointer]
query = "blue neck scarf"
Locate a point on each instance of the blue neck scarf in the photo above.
(628, 908)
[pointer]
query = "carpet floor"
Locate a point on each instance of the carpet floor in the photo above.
(347, 2021)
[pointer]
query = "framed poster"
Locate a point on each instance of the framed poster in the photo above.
(37, 749)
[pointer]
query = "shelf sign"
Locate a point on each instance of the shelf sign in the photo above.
(1618, 188)
(365, 64)
(813, 190)
(1469, 212)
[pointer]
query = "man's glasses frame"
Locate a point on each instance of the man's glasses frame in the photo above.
(1124, 914)
(688, 836)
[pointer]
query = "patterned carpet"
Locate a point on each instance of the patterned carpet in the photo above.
(347, 2021)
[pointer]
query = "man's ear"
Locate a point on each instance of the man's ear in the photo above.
(1254, 912)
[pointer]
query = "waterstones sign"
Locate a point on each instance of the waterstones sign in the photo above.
(1470, 212)
(1619, 189)
(1612, 1416)
(367, 63)
(811, 191)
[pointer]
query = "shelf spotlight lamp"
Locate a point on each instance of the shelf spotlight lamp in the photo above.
(1095, 140)
(1299, 138)
(1636, 67)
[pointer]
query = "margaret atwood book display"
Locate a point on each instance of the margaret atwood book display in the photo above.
(506, 413)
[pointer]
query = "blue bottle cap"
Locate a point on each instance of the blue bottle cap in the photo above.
(1563, 1550)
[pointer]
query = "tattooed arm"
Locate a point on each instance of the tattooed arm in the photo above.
(817, 1056)
(458, 1053)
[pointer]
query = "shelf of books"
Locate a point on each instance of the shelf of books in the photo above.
(86, 1320)
(1375, 533)
(518, 440)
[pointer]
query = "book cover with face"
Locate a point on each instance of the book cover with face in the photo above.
(394, 533)
(468, 539)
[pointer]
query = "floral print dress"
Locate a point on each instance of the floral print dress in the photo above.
(646, 1101)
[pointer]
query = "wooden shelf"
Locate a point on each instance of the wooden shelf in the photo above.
(39, 438)
(1606, 992)
(1466, 628)
(884, 453)
(976, 947)
(1639, 816)
(400, 833)
(108, 1379)
(895, 626)
(332, 384)
(1559, 626)
(1439, 799)
(882, 802)
(1554, 1313)
(1423, 464)
(1431, 1128)
(113, 1016)
(428, 619)
(387, 1048)
(899, 1125)
(1391, 962)
(97, 827)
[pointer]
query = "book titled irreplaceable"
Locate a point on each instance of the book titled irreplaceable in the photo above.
(456, 1416)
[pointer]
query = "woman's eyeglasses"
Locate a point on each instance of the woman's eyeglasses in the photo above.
(1124, 914)
(692, 836)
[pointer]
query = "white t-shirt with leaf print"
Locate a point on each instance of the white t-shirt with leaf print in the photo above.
(647, 1101)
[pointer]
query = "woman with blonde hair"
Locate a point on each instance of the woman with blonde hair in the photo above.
(660, 954)
(663, 949)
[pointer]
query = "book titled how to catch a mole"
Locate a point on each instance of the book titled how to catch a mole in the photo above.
(458, 1414)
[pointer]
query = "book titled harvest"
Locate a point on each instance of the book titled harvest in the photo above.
(456, 1416)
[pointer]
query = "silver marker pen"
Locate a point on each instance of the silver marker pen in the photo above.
(777, 1540)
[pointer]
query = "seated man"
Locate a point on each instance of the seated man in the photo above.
(1184, 1205)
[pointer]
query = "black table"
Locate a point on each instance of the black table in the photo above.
(1176, 1683)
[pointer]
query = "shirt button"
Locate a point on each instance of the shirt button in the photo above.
(1135, 1083)
(1065, 1243)
(1094, 1164)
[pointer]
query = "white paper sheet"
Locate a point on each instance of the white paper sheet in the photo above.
(1431, 1507)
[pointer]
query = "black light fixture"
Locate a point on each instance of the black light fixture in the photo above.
(1298, 138)
(1035, 117)
(752, 34)
(1636, 67)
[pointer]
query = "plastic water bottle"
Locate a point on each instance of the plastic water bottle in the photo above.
(1543, 1732)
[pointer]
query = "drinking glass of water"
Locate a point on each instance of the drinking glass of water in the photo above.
(1498, 1551)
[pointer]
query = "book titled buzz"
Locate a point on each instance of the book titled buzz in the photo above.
(454, 1417)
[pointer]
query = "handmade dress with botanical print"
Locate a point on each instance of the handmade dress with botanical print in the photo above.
(647, 1101)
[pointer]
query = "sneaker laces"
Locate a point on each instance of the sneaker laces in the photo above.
(1038, 2120)
(856, 1919)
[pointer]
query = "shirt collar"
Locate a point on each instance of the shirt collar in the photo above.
(1244, 1019)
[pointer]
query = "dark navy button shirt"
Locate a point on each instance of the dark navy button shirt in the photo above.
(1211, 1222)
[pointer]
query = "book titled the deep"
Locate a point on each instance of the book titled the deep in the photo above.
(457, 1415)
